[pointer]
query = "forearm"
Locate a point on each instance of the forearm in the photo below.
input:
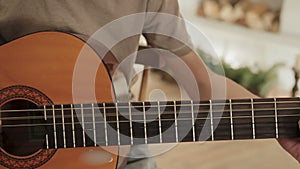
(234, 90)
(211, 85)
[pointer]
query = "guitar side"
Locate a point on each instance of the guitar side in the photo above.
(47, 61)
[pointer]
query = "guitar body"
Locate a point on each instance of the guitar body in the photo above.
(39, 69)
(43, 75)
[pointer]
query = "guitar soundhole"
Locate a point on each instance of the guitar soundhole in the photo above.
(23, 130)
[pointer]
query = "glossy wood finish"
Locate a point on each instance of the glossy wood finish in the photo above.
(46, 61)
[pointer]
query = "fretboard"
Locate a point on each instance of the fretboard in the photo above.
(107, 124)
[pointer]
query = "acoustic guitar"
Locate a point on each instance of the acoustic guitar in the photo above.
(57, 107)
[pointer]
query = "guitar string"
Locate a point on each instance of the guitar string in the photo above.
(155, 106)
(241, 126)
(172, 120)
(235, 125)
(166, 112)
(185, 139)
(218, 131)
(88, 116)
(267, 133)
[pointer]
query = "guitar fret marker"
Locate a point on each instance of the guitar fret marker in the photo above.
(73, 126)
(176, 125)
(94, 125)
(130, 123)
(83, 128)
(105, 125)
(45, 117)
(276, 118)
(193, 121)
(211, 120)
(63, 124)
(253, 119)
(159, 122)
(145, 123)
(54, 127)
(231, 120)
(118, 124)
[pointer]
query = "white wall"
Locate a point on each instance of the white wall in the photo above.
(242, 46)
(290, 22)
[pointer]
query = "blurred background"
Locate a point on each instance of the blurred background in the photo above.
(260, 35)
(258, 44)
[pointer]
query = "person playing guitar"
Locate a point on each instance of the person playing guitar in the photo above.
(83, 19)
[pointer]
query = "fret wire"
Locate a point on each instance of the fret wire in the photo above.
(276, 118)
(45, 113)
(159, 122)
(105, 124)
(63, 125)
(176, 125)
(94, 125)
(83, 127)
(130, 124)
(231, 120)
(45, 117)
(73, 126)
(193, 121)
(211, 120)
(253, 120)
(54, 127)
(145, 124)
(47, 141)
(118, 123)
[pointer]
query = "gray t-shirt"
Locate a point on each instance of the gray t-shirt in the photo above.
(84, 18)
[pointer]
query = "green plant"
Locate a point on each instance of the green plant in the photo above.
(257, 82)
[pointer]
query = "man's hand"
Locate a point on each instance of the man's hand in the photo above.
(292, 146)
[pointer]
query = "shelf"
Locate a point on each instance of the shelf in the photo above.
(230, 31)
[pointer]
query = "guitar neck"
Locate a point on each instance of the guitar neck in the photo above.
(113, 124)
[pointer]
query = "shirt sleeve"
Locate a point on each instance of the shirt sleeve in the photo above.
(165, 28)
